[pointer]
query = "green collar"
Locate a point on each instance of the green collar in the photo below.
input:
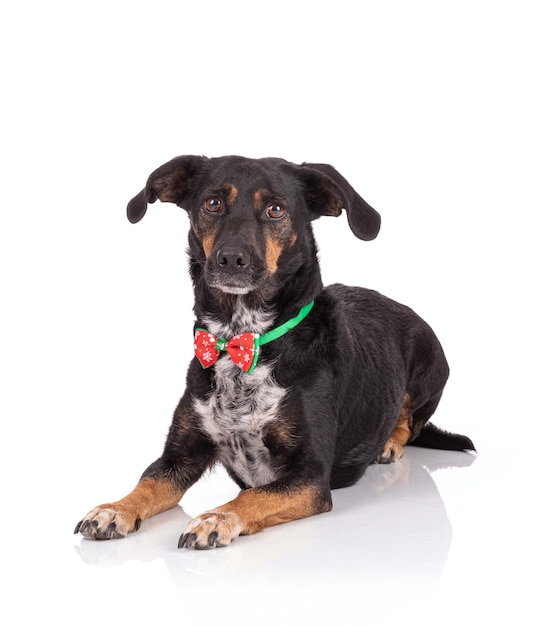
(275, 333)
(244, 349)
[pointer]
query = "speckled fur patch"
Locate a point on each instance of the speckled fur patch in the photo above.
(241, 406)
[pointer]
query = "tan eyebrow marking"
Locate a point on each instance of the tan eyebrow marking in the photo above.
(260, 197)
(231, 193)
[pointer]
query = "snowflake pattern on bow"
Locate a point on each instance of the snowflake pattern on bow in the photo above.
(243, 349)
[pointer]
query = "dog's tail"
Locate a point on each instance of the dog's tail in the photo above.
(433, 437)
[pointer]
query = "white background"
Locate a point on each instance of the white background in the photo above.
(443, 115)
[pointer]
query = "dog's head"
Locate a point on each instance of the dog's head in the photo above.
(250, 217)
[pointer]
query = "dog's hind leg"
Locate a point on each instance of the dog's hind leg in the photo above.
(393, 448)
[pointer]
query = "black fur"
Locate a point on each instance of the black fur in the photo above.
(361, 351)
(347, 370)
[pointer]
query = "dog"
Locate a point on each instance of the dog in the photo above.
(294, 388)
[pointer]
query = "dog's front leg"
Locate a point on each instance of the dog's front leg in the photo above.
(186, 456)
(253, 510)
(118, 519)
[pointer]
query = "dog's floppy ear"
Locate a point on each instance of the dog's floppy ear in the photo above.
(327, 193)
(168, 183)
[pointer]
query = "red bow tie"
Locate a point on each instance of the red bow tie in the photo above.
(243, 349)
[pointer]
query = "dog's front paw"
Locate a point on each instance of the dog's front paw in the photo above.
(213, 529)
(105, 522)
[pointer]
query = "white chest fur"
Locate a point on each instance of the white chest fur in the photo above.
(235, 415)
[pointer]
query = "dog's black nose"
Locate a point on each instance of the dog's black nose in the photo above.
(233, 259)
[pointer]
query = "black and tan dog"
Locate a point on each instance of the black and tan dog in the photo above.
(296, 389)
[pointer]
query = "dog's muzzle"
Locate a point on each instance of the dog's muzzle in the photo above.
(232, 269)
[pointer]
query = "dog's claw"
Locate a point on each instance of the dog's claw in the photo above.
(110, 532)
(191, 541)
(85, 527)
(212, 539)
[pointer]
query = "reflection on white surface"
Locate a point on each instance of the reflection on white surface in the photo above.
(392, 525)
(436, 536)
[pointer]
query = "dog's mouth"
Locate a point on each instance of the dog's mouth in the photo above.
(237, 283)
(238, 290)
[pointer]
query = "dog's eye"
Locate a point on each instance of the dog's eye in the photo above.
(275, 211)
(213, 204)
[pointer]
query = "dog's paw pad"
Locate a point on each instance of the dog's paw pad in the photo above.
(213, 529)
(104, 522)
(393, 451)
